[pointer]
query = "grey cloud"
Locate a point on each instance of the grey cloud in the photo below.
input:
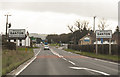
(87, 9)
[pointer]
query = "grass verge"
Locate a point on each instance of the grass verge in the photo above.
(114, 58)
(11, 59)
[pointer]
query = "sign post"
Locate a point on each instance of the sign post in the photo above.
(104, 34)
(102, 40)
(96, 47)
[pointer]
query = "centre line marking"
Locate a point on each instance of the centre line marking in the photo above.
(64, 59)
(71, 62)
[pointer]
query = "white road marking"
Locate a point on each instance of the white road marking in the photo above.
(64, 59)
(55, 53)
(27, 64)
(71, 62)
(106, 61)
(38, 53)
(82, 68)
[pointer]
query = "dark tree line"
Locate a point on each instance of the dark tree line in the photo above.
(67, 38)
(72, 37)
(63, 38)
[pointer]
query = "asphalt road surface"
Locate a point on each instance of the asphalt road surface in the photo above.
(59, 62)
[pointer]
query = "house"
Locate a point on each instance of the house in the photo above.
(87, 39)
(116, 37)
(21, 42)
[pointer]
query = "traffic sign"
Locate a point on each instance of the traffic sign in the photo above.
(102, 40)
(87, 39)
(16, 33)
(103, 33)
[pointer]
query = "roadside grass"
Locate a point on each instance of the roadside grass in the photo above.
(115, 58)
(11, 59)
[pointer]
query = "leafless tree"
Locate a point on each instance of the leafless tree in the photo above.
(102, 24)
(85, 24)
(90, 28)
(71, 28)
(79, 25)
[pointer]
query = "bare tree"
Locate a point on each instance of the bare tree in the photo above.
(90, 28)
(85, 24)
(79, 25)
(71, 28)
(75, 29)
(102, 24)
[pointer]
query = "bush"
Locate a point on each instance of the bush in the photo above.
(9, 45)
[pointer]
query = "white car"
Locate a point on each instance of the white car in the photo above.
(46, 47)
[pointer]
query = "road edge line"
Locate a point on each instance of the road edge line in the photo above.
(27, 64)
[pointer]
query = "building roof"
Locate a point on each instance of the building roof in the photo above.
(91, 35)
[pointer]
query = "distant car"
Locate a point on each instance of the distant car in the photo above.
(46, 47)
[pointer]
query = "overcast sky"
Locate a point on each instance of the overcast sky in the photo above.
(53, 17)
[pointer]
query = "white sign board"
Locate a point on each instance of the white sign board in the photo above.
(17, 33)
(103, 33)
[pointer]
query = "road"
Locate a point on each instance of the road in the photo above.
(59, 62)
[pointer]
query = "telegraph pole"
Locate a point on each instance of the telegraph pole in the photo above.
(7, 23)
(94, 24)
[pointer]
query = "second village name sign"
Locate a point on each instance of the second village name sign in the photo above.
(103, 33)
(100, 34)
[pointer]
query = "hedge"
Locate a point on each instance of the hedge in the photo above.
(9, 45)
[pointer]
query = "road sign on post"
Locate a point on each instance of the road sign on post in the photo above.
(17, 33)
(104, 34)
(102, 40)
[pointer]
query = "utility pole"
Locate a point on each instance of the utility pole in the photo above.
(94, 24)
(96, 38)
(7, 23)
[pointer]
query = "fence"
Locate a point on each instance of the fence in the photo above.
(102, 49)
